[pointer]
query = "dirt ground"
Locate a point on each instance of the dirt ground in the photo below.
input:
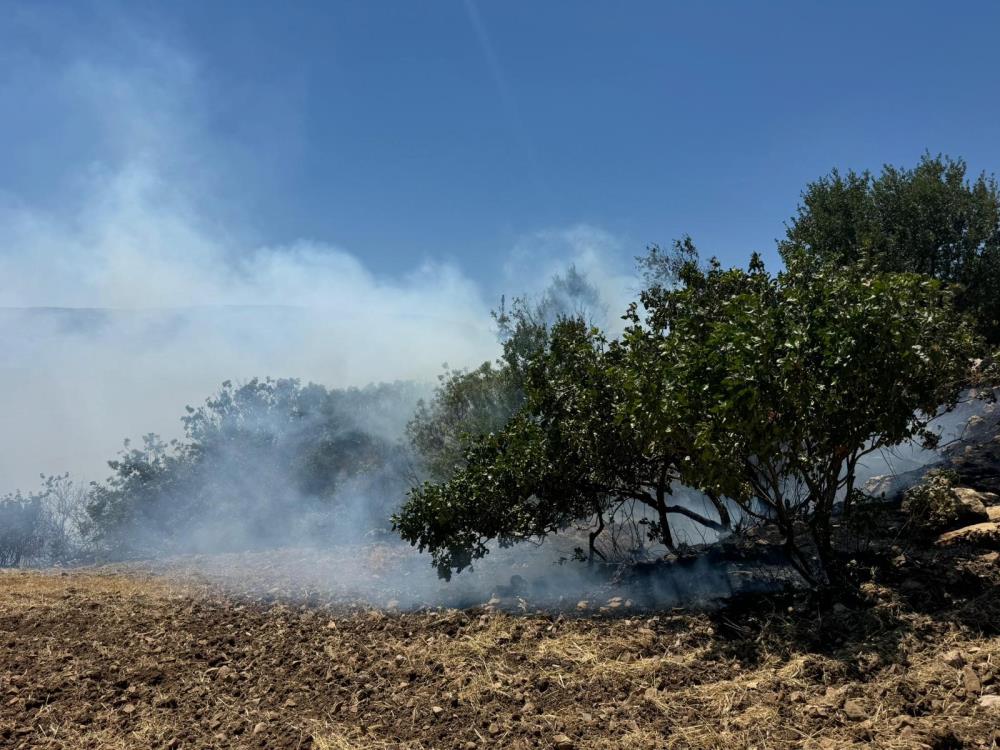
(113, 659)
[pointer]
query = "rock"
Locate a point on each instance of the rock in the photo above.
(582, 604)
(562, 742)
(128, 708)
(971, 682)
(259, 728)
(954, 659)
(892, 485)
(833, 697)
(437, 711)
(978, 533)
(993, 512)
(973, 504)
(493, 729)
(990, 701)
(855, 710)
(647, 637)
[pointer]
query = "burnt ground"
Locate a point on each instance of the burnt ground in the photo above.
(112, 659)
(236, 652)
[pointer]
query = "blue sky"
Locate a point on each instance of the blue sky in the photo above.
(450, 130)
(387, 169)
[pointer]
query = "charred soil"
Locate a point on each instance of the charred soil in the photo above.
(906, 654)
(116, 660)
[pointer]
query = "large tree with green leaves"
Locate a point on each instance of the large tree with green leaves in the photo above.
(930, 219)
(566, 456)
(766, 390)
(788, 380)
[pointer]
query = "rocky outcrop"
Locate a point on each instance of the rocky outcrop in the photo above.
(976, 457)
(973, 504)
(985, 534)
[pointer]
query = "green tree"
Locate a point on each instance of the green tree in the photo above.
(468, 404)
(757, 389)
(263, 463)
(787, 381)
(567, 456)
(930, 219)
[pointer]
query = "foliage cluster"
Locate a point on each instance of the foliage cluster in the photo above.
(20, 528)
(264, 463)
(47, 525)
(468, 404)
(929, 219)
(763, 391)
(933, 504)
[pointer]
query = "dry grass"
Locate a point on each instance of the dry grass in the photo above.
(92, 659)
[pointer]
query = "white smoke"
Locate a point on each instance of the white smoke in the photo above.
(168, 297)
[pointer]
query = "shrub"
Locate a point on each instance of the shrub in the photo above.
(266, 463)
(933, 505)
(20, 528)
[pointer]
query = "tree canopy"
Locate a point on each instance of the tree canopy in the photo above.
(761, 389)
(468, 404)
(783, 382)
(930, 219)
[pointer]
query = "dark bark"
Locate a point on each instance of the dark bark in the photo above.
(592, 538)
(682, 511)
(721, 509)
(661, 509)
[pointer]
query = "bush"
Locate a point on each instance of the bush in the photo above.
(20, 528)
(933, 505)
(266, 463)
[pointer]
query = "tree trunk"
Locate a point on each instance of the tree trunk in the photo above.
(661, 508)
(852, 464)
(592, 538)
(721, 509)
